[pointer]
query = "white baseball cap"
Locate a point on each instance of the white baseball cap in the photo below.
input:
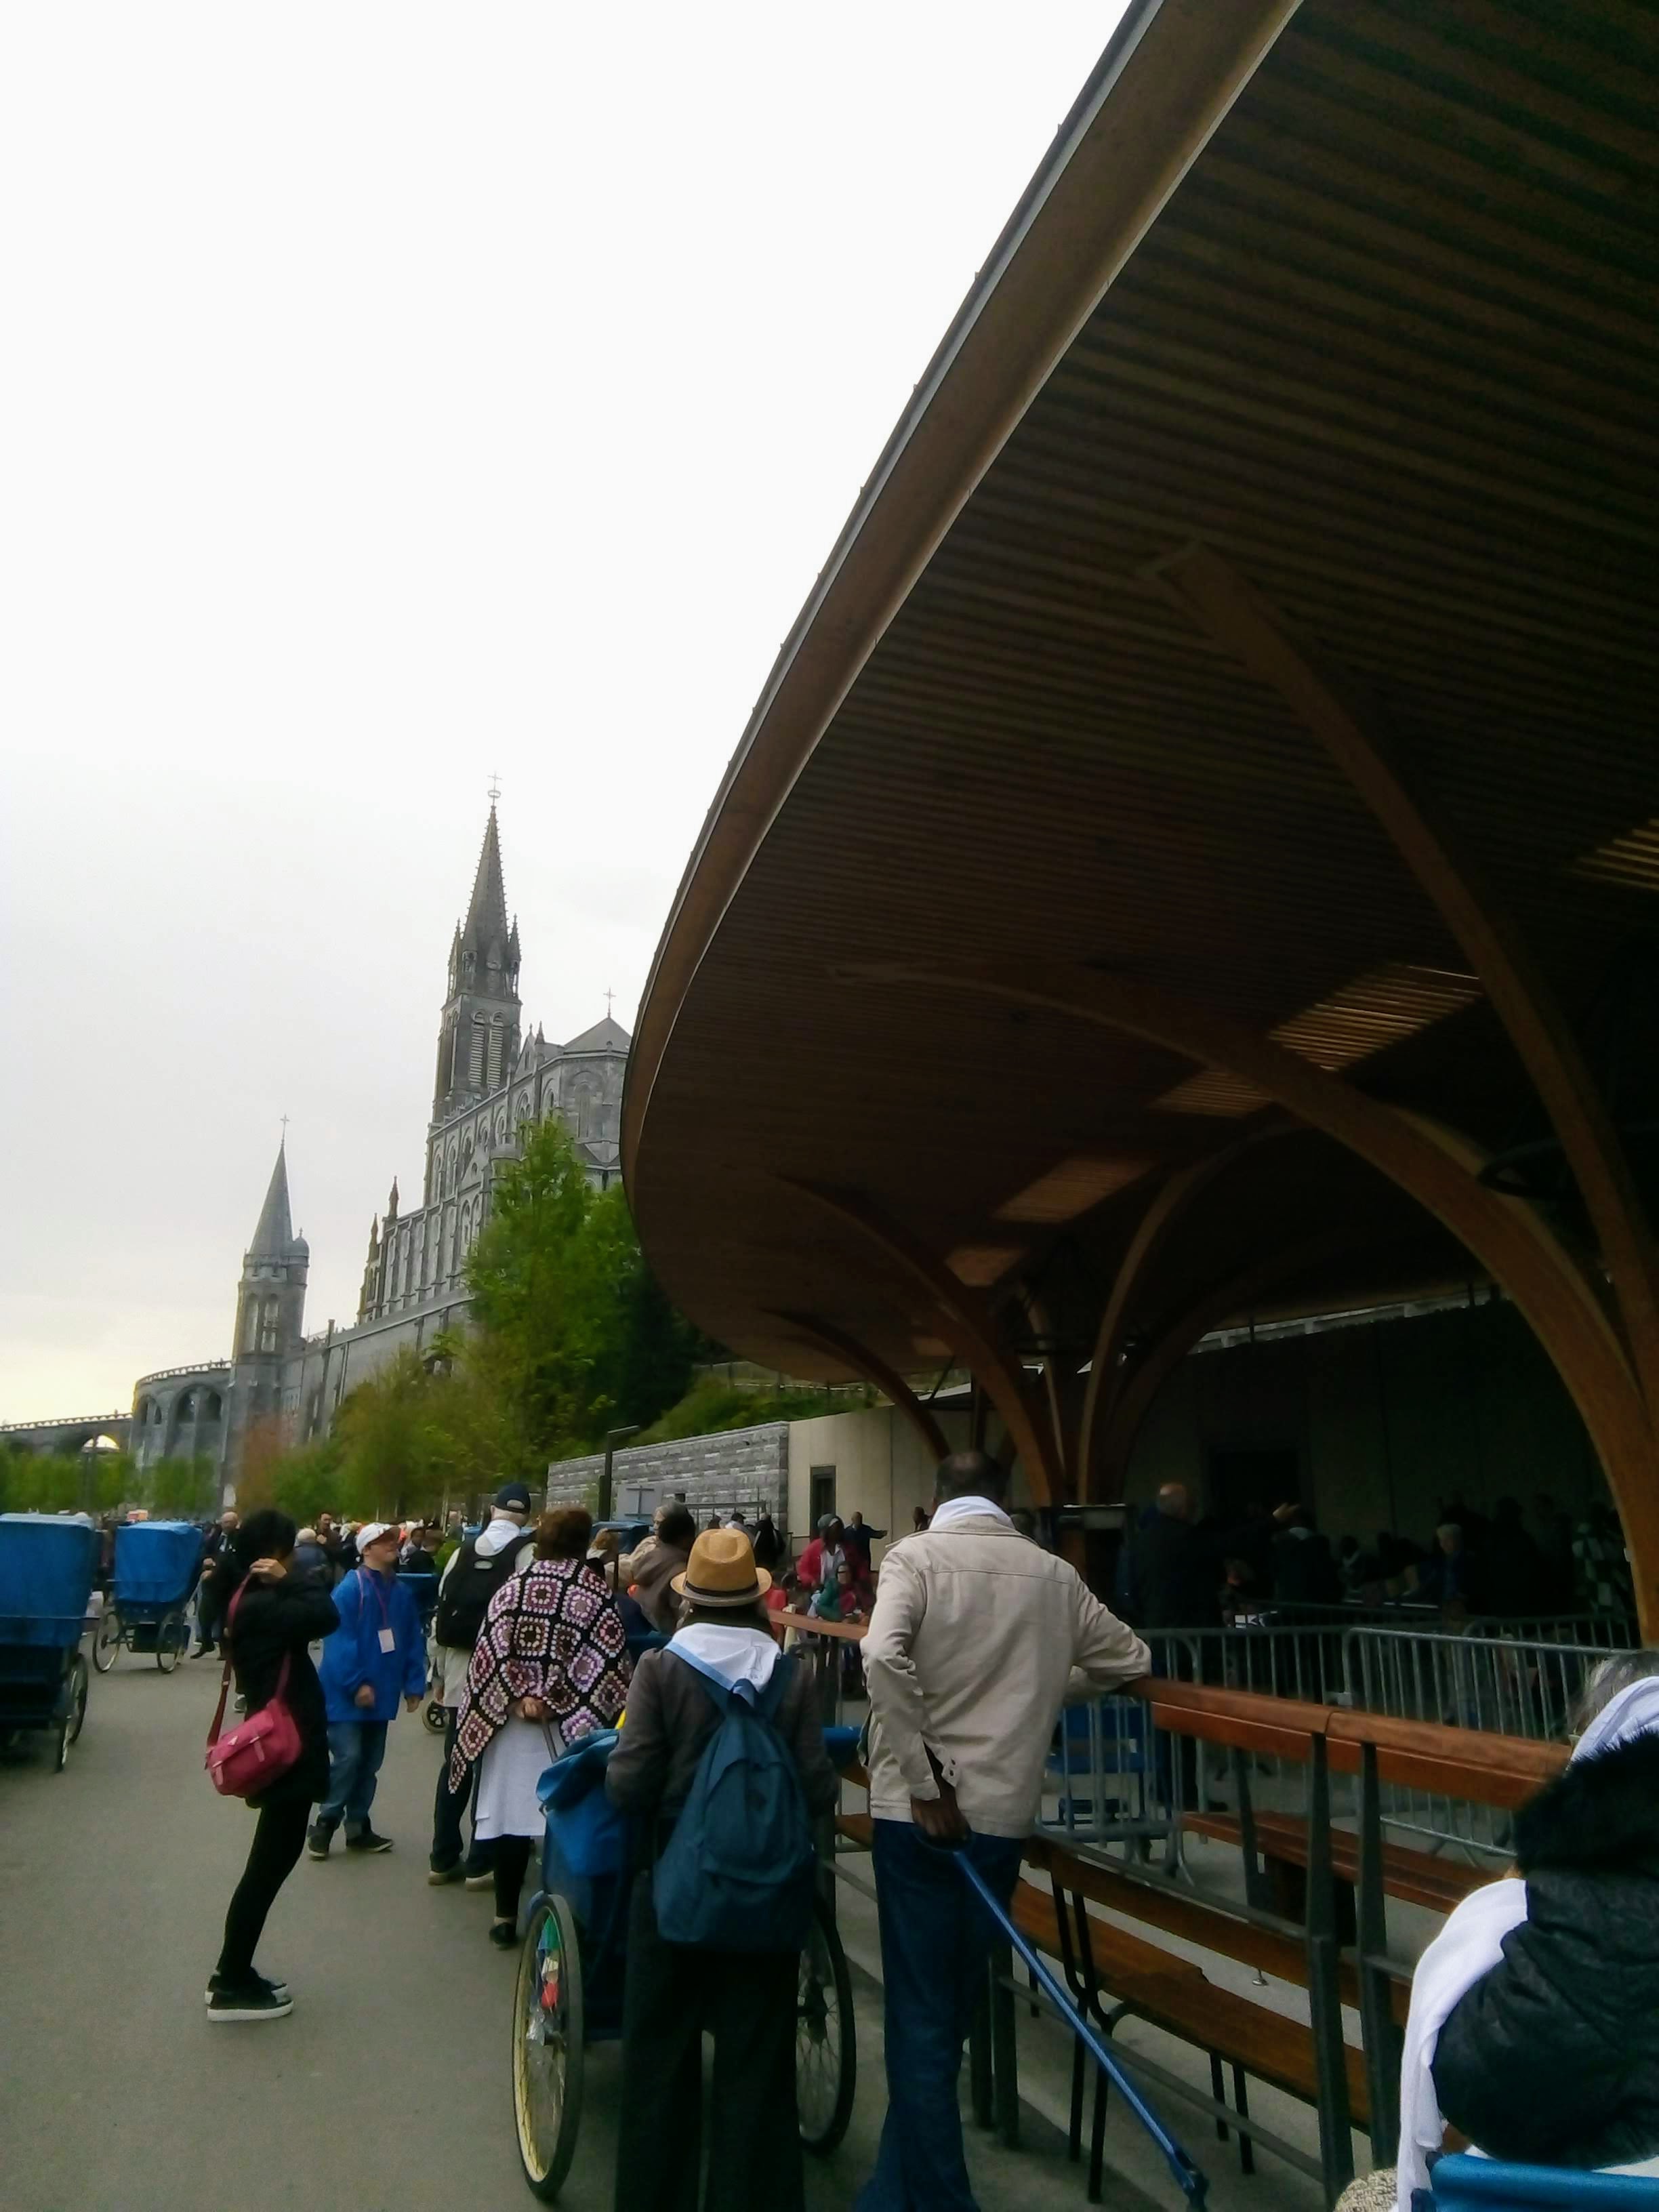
(371, 1533)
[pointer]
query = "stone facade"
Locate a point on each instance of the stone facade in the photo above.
(739, 1468)
(492, 1085)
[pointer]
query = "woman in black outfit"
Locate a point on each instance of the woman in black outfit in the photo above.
(277, 1615)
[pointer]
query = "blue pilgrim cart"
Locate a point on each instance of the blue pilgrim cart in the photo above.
(46, 1565)
(157, 1563)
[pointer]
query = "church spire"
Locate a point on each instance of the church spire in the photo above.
(486, 918)
(274, 1238)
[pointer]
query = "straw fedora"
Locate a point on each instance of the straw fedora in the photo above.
(721, 1570)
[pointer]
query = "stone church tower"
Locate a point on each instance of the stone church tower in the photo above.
(271, 1305)
(478, 1030)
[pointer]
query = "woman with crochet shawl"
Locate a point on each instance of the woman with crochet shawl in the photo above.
(550, 1666)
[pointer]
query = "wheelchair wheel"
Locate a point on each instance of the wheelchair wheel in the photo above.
(70, 1727)
(826, 2053)
(106, 1644)
(171, 1640)
(547, 2046)
(435, 1717)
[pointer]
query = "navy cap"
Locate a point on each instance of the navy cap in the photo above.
(515, 1494)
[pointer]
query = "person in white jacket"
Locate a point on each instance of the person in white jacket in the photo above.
(502, 1547)
(975, 1638)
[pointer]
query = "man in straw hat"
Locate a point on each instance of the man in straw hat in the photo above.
(745, 1998)
(972, 1643)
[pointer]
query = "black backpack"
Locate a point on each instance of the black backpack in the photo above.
(468, 1589)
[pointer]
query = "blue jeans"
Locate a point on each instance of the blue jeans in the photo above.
(356, 1749)
(935, 1940)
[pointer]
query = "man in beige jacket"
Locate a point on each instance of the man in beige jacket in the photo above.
(975, 1638)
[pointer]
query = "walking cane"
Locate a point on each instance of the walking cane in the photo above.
(1189, 2180)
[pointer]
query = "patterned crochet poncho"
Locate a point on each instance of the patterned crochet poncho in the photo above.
(553, 1631)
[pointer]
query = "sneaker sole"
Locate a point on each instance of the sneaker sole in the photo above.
(278, 2011)
(368, 1851)
(436, 1876)
(280, 1987)
(480, 1881)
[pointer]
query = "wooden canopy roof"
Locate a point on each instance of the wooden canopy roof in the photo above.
(1207, 805)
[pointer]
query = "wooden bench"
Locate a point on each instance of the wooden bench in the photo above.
(1172, 1993)
(1414, 1876)
(1196, 1920)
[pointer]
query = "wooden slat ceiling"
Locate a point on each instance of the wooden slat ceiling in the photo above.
(1389, 349)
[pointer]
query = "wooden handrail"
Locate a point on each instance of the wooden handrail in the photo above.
(1468, 1764)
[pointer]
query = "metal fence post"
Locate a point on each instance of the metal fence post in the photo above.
(1384, 2041)
(1324, 1985)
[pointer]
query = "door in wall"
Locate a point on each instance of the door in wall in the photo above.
(822, 1496)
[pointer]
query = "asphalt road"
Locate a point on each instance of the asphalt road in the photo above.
(386, 2089)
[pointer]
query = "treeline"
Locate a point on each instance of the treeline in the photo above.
(99, 1481)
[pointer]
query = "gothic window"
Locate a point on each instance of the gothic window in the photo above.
(212, 1405)
(251, 1325)
(270, 1323)
(501, 1128)
(478, 1059)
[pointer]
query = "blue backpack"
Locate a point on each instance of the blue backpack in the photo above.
(737, 1874)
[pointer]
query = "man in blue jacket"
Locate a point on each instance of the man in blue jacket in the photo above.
(377, 1650)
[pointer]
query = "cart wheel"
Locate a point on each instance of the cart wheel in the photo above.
(107, 1642)
(826, 2052)
(70, 1727)
(435, 1718)
(171, 1640)
(547, 2046)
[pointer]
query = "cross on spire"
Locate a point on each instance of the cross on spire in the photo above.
(284, 1121)
(494, 786)
(608, 996)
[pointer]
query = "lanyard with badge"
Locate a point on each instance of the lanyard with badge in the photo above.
(370, 1581)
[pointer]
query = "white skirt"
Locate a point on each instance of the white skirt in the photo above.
(514, 1761)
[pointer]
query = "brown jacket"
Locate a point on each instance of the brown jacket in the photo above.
(651, 1576)
(670, 1719)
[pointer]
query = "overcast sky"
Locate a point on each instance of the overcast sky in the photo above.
(392, 394)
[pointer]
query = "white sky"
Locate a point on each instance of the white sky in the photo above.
(390, 394)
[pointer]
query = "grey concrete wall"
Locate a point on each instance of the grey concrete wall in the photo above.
(747, 1467)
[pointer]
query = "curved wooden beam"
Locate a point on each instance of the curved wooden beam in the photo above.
(1236, 614)
(965, 1323)
(874, 1369)
(1170, 1202)
(1220, 1303)
(1546, 1284)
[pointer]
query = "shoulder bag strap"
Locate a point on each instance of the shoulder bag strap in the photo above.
(224, 1679)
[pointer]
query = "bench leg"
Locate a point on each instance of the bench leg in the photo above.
(1219, 2094)
(979, 2055)
(1097, 2138)
(1005, 2062)
(1242, 2102)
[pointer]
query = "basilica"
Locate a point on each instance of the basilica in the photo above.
(283, 1386)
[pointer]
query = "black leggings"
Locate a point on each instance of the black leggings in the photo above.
(277, 1843)
(512, 1857)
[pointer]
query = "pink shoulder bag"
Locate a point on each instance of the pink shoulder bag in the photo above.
(266, 1744)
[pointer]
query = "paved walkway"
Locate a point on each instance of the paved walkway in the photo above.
(386, 2090)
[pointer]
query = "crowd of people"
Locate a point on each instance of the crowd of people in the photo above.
(1181, 1570)
(544, 1637)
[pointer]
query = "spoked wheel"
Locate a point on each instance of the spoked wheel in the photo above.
(435, 1716)
(547, 2046)
(171, 1640)
(70, 1727)
(108, 1641)
(826, 2053)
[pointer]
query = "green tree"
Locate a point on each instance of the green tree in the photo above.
(573, 1333)
(179, 1487)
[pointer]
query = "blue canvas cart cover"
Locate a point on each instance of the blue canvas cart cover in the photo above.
(46, 1564)
(155, 1561)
